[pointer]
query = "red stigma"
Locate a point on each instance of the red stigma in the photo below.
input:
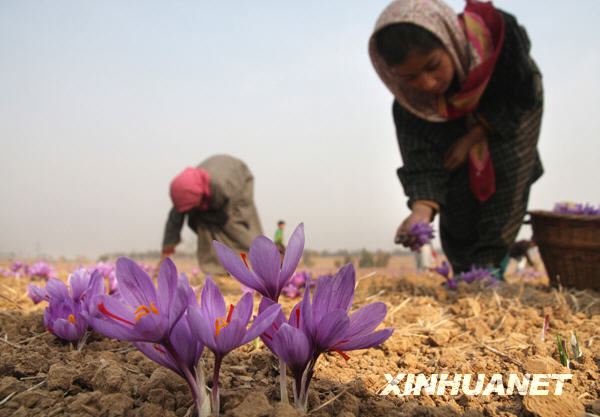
(243, 254)
(275, 325)
(267, 336)
(231, 307)
(346, 357)
(103, 310)
(49, 329)
(159, 349)
(298, 318)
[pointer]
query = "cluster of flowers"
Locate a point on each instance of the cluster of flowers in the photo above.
(169, 326)
(475, 274)
(422, 233)
(572, 208)
(293, 289)
(40, 269)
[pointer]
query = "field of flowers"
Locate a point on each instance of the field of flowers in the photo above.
(475, 328)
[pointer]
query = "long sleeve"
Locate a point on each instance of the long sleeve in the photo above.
(423, 175)
(173, 227)
(511, 91)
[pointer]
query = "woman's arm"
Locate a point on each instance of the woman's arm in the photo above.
(172, 235)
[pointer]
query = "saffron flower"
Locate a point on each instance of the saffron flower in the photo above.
(323, 325)
(150, 317)
(36, 293)
(182, 355)
(444, 270)
(422, 233)
(268, 275)
(222, 330)
(579, 209)
(41, 269)
(143, 314)
(65, 315)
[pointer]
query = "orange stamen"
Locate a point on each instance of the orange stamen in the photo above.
(346, 357)
(103, 310)
(244, 258)
(219, 325)
(71, 318)
(141, 312)
(154, 309)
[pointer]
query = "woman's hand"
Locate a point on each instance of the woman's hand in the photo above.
(457, 153)
(420, 212)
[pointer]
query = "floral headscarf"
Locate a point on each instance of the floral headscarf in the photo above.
(473, 41)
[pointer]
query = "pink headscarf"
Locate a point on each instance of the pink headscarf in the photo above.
(190, 187)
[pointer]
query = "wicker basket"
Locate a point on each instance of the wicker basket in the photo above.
(570, 247)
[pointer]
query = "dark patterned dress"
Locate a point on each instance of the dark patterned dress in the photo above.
(472, 232)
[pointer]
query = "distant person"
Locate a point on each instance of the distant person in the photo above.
(217, 197)
(519, 251)
(467, 109)
(279, 236)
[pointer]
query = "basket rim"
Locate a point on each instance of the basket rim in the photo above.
(551, 214)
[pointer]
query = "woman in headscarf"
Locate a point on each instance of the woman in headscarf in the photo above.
(467, 109)
(218, 199)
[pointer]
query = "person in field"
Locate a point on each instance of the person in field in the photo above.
(279, 237)
(217, 198)
(467, 107)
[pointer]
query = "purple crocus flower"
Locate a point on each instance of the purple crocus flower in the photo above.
(41, 269)
(475, 274)
(63, 318)
(36, 293)
(443, 270)
(181, 354)
(422, 233)
(143, 314)
(223, 330)
(268, 275)
(326, 326)
(291, 290)
(65, 315)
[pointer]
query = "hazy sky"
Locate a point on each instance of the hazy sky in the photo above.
(102, 103)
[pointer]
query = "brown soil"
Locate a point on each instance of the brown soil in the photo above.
(473, 330)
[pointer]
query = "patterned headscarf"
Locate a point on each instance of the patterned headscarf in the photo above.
(473, 41)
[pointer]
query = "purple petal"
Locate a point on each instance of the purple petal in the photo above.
(135, 285)
(201, 329)
(57, 289)
(78, 282)
(366, 341)
(212, 303)
(366, 319)
(185, 343)
(262, 322)
(167, 283)
(293, 347)
(158, 353)
(331, 329)
(266, 263)
(234, 265)
(67, 330)
(292, 256)
(36, 293)
(243, 309)
(336, 292)
(230, 337)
